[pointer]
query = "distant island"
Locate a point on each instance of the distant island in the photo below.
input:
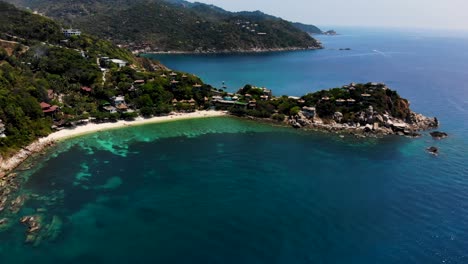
(311, 29)
(167, 26)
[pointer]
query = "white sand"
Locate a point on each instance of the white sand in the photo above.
(90, 128)
(39, 145)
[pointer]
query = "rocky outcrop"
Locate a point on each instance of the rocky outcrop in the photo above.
(338, 116)
(369, 123)
(13, 162)
(420, 122)
(300, 120)
(439, 135)
(433, 150)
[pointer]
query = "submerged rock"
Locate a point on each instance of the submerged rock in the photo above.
(34, 225)
(439, 135)
(54, 228)
(433, 150)
(5, 224)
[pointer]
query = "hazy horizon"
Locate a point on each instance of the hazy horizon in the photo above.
(429, 14)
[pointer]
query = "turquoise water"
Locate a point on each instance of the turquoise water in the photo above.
(225, 190)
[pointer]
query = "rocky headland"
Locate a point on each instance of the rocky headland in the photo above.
(370, 123)
(370, 109)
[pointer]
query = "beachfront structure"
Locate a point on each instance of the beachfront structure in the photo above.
(222, 103)
(71, 32)
(48, 109)
(308, 111)
(118, 100)
(110, 109)
(119, 103)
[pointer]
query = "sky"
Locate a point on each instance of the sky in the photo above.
(440, 14)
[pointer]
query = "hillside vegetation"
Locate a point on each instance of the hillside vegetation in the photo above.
(158, 25)
(35, 66)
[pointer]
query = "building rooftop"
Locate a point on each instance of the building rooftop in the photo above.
(308, 108)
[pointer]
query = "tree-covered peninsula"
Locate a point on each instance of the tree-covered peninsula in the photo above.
(165, 25)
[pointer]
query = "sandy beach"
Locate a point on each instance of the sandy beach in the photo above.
(39, 145)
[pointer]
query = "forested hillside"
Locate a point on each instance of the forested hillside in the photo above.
(158, 25)
(49, 81)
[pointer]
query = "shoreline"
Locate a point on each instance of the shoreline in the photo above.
(41, 144)
(221, 52)
(298, 121)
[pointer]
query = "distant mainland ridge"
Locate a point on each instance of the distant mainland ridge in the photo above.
(177, 26)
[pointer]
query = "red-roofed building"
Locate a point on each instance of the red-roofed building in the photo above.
(44, 105)
(48, 109)
(86, 89)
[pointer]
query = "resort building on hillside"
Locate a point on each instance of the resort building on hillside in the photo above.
(308, 111)
(340, 101)
(120, 63)
(71, 32)
(351, 101)
(48, 109)
(366, 96)
(86, 89)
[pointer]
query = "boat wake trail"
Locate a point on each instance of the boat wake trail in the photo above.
(457, 106)
(382, 53)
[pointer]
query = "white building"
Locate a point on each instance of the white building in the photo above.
(118, 100)
(120, 63)
(71, 32)
(308, 111)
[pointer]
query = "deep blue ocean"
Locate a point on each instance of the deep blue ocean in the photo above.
(228, 190)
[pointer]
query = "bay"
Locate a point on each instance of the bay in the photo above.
(227, 190)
